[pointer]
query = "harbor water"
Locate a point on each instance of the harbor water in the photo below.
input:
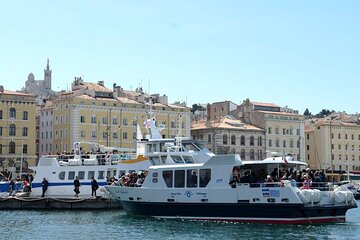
(115, 224)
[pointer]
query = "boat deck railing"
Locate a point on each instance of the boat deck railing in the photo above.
(90, 159)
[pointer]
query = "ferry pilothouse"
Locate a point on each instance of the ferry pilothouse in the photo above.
(201, 191)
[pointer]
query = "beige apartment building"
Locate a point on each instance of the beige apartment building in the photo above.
(228, 135)
(284, 129)
(17, 131)
(92, 112)
(333, 143)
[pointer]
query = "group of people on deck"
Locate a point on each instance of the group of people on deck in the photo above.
(305, 179)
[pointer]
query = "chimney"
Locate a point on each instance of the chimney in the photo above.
(1, 88)
(101, 83)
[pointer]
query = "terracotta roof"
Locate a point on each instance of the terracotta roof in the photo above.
(127, 100)
(7, 92)
(224, 123)
(264, 104)
(96, 87)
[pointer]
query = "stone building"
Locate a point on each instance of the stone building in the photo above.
(333, 142)
(94, 113)
(40, 88)
(228, 135)
(284, 129)
(17, 130)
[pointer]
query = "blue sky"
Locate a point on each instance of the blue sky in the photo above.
(301, 54)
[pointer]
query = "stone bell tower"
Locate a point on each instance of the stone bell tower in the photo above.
(47, 76)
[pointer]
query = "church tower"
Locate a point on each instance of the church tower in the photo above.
(47, 76)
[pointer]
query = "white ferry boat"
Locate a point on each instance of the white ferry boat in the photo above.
(61, 170)
(201, 191)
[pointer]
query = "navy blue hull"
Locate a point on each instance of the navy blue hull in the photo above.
(241, 212)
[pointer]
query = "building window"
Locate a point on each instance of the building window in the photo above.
(25, 131)
(252, 155)
(284, 143)
(276, 130)
(115, 121)
(269, 130)
(339, 147)
(1, 114)
(12, 113)
(297, 131)
(82, 119)
(25, 115)
(0, 131)
(233, 140)
(332, 135)
(307, 147)
(93, 119)
(93, 134)
(242, 140)
(125, 122)
(345, 135)
(25, 148)
(172, 124)
(12, 147)
(105, 134)
(225, 141)
(115, 136)
(82, 133)
(277, 143)
(242, 154)
(270, 143)
(104, 120)
(339, 135)
(291, 143)
(259, 141)
(12, 130)
(251, 140)
(209, 138)
(284, 131)
(124, 135)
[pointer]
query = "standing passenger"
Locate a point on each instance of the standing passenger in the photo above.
(94, 187)
(77, 186)
(44, 186)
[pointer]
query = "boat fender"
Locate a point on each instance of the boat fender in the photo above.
(316, 198)
(341, 196)
(306, 195)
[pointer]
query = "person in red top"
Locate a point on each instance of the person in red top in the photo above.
(307, 182)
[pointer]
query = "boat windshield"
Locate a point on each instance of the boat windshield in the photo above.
(191, 145)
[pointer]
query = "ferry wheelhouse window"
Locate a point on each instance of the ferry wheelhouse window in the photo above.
(179, 178)
(168, 176)
(205, 176)
(188, 159)
(177, 159)
(91, 174)
(71, 175)
(192, 178)
(62, 175)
